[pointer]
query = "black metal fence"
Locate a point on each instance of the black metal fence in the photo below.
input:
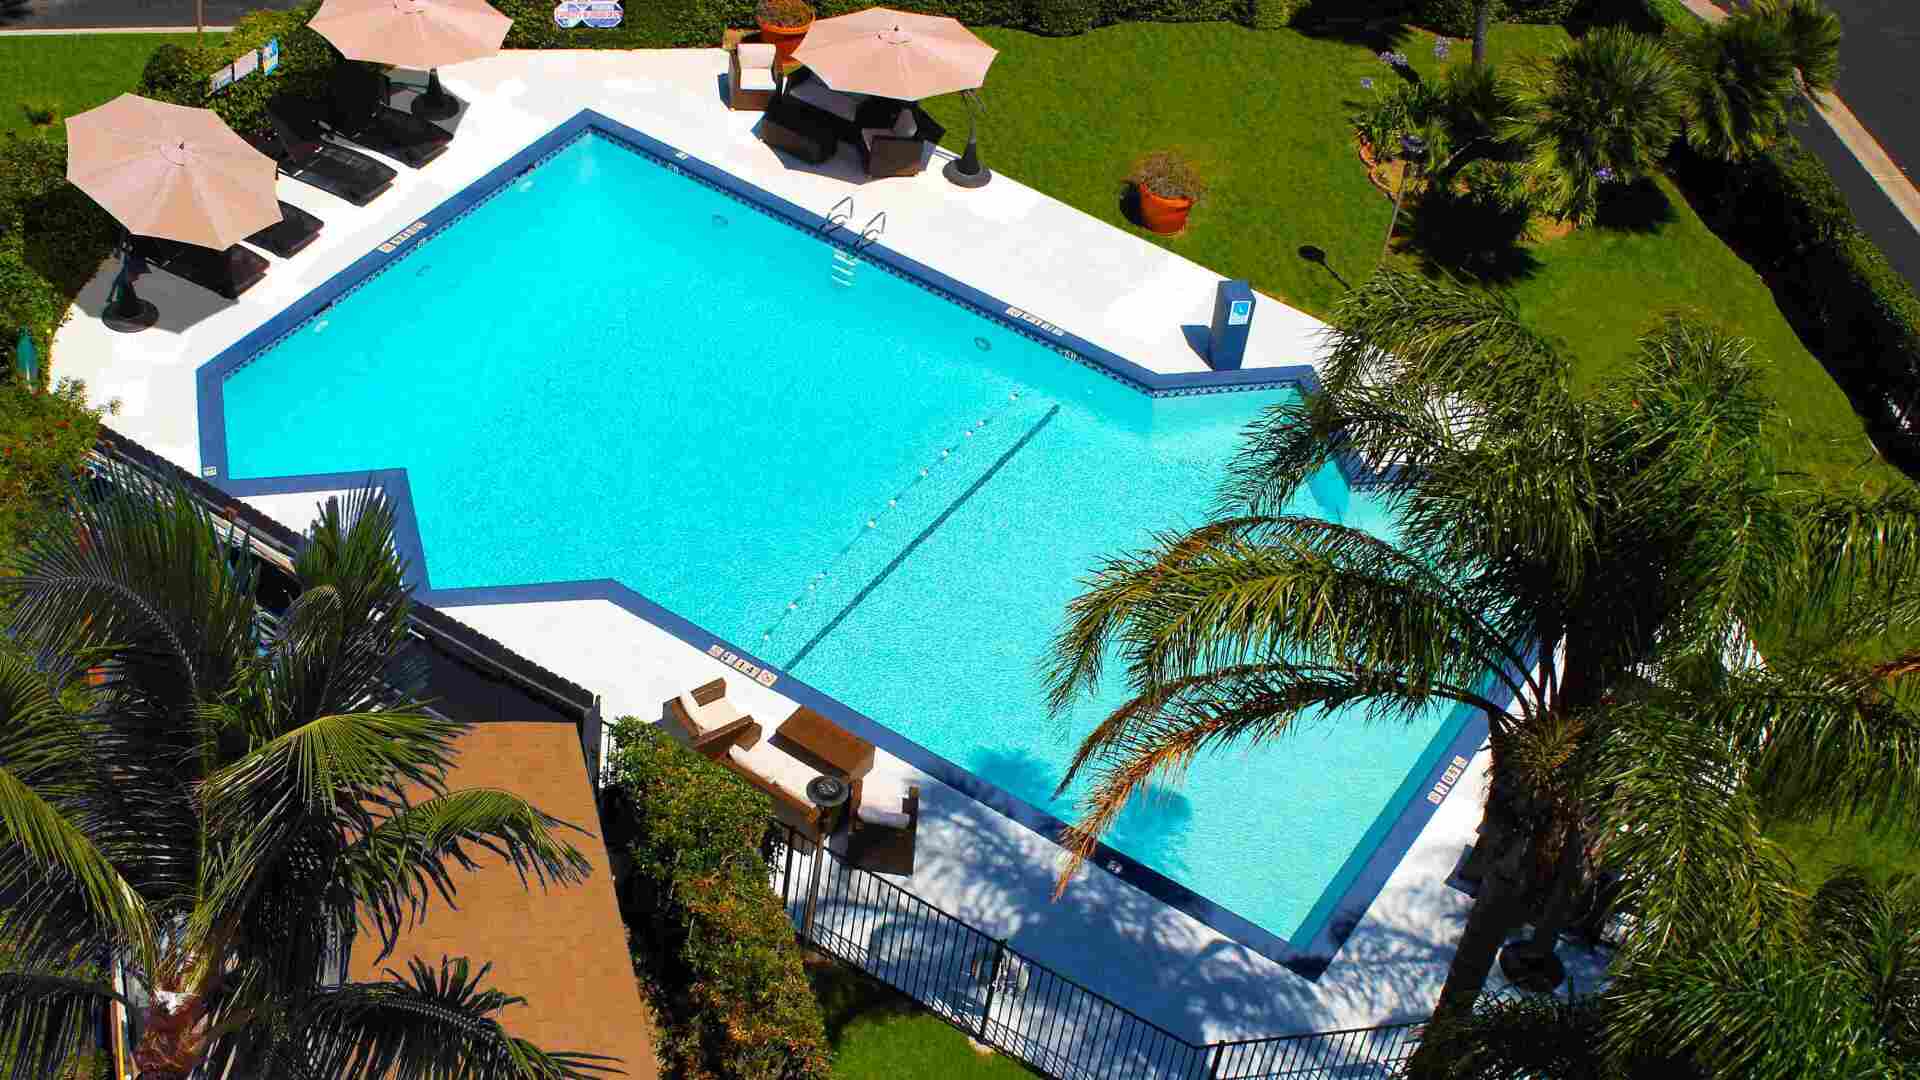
(1013, 1003)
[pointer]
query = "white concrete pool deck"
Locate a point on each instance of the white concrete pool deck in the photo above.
(1110, 287)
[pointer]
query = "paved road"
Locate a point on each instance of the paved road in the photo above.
(1872, 210)
(1879, 55)
(88, 14)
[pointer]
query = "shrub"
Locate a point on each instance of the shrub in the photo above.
(1272, 14)
(43, 437)
(181, 74)
(1062, 18)
(712, 940)
(1168, 174)
(784, 12)
(52, 241)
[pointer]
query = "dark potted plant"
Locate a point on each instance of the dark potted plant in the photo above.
(783, 23)
(1169, 186)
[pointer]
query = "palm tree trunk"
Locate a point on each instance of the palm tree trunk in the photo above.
(1495, 913)
(1482, 14)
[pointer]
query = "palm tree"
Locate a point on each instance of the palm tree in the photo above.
(1812, 33)
(214, 801)
(1740, 86)
(1604, 107)
(1609, 531)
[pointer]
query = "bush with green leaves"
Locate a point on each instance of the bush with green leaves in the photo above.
(43, 438)
(711, 939)
(53, 239)
(182, 74)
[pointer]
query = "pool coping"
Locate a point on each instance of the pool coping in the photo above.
(1338, 914)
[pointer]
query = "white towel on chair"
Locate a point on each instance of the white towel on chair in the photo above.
(885, 819)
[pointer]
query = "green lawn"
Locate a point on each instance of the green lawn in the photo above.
(878, 1034)
(76, 72)
(1818, 850)
(1266, 112)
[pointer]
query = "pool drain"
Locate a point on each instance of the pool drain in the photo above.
(983, 344)
(719, 221)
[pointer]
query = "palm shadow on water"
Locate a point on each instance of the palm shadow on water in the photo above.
(1153, 827)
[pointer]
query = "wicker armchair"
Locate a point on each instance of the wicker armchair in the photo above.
(752, 77)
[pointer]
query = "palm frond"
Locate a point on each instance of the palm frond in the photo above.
(423, 1026)
(1863, 550)
(393, 871)
(1740, 86)
(1812, 32)
(1873, 931)
(45, 1020)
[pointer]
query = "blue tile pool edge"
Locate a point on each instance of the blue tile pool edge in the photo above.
(1337, 916)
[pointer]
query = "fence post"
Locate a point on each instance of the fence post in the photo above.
(993, 982)
(1213, 1061)
(813, 890)
(786, 873)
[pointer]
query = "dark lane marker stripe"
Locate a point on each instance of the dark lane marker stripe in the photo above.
(868, 588)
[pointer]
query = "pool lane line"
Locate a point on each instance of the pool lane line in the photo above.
(894, 564)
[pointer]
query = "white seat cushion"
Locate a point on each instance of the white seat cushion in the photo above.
(886, 819)
(756, 79)
(775, 767)
(755, 54)
(819, 94)
(707, 718)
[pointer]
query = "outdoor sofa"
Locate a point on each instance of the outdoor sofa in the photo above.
(299, 143)
(360, 113)
(809, 120)
(805, 746)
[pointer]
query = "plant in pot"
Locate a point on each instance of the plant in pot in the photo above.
(783, 23)
(1169, 186)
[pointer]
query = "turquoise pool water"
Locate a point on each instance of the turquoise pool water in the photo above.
(612, 371)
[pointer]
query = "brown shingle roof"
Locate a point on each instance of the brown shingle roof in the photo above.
(563, 949)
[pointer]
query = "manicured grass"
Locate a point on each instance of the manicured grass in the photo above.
(878, 1034)
(75, 71)
(1267, 114)
(1818, 850)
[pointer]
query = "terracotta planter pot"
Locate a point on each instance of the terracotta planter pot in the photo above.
(784, 39)
(1161, 214)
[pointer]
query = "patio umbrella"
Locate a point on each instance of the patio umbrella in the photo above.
(414, 34)
(172, 172)
(895, 54)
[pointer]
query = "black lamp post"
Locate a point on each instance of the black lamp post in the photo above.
(1412, 149)
(966, 170)
(436, 103)
(126, 312)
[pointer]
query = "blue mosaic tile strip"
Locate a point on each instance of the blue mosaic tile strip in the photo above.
(1337, 913)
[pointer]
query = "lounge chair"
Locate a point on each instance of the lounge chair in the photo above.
(900, 147)
(295, 230)
(299, 144)
(361, 113)
(806, 746)
(711, 722)
(885, 827)
(228, 273)
(752, 77)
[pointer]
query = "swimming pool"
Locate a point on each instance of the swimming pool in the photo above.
(609, 369)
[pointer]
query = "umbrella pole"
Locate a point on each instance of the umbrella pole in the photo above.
(436, 103)
(966, 170)
(126, 312)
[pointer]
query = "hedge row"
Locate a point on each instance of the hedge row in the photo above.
(1782, 212)
(710, 939)
(181, 74)
(680, 23)
(1456, 16)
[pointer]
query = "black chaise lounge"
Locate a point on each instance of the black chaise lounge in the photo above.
(299, 144)
(229, 273)
(295, 230)
(361, 113)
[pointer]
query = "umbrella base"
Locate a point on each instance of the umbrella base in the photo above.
(962, 178)
(429, 107)
(126, 323)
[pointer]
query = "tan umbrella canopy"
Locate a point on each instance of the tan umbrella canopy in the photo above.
(895, 54)
(171, 171)
(421, 34)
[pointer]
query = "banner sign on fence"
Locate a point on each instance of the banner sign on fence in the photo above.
(599, 14)
(263, 59)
